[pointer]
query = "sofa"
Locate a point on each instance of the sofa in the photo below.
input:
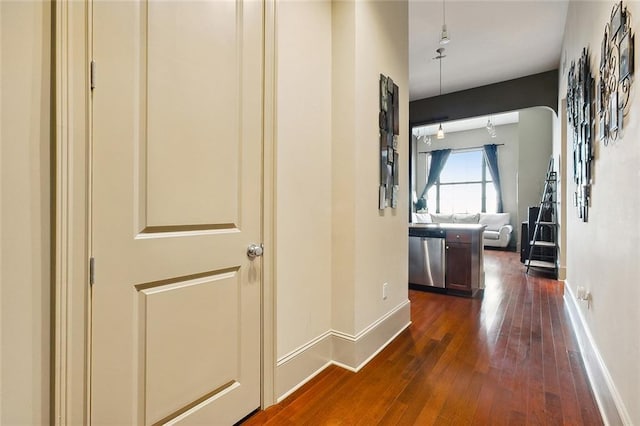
(497, 231)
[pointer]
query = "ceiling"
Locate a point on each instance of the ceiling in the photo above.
(491, 41)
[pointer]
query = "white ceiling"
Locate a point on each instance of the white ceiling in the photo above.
(491, 41)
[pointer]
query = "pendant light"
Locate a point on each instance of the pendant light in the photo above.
(444, 35)
(440, 55)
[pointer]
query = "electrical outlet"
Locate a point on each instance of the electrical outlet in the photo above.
(385, 288)
(584, 295)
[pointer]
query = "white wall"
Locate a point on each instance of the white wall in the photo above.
(25, 219)
(508, 135)
(560, 165)
(303, 239)
(382, 46)
(535, 133)
(343, 167)
(602, 254)
(334, 247)
(370, 246)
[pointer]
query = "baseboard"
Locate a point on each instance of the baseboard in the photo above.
(562, 273)
(301, 365)
(333, 347)
(354, 352)
(609, 402)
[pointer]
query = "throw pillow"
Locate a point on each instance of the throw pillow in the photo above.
(441, 218)
(422, 218)
(466, 217)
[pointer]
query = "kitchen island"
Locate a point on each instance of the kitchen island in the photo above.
(448, 256)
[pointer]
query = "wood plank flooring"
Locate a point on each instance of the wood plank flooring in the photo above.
(508, 358)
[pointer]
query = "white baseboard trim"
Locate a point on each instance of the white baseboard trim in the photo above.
(301, 365)
(562, 273)
(354, 352)
(334, 347)
(609, 402)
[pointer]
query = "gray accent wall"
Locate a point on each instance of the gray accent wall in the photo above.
(512, 95)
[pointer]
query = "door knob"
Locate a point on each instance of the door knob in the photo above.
(255, 250)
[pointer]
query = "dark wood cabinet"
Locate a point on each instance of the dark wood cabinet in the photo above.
(464, 259)
(458, 266)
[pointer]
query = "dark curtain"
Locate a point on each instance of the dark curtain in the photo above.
(491, 157)
(438, 160)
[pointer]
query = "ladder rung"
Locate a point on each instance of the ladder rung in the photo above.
(542, 243)
(540, 264)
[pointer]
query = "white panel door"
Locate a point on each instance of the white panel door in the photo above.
(176, 172)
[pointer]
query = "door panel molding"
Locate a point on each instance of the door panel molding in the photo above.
(202, 143)
(71, 358)
(169, 342)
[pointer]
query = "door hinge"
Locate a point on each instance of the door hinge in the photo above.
(92, 270)
(93, 74)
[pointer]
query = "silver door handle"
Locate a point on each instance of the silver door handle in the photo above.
(255, 250)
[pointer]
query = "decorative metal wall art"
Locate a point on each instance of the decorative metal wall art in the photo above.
(580, 111)
(389, 123)
(616, 72)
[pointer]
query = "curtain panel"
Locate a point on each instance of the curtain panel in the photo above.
(438, 160)
(491, 157)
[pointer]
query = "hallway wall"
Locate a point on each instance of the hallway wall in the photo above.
(25, 225)
(303, 191)
(602, 253)
(335, 249)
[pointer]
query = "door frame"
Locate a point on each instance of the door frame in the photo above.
(71, 241)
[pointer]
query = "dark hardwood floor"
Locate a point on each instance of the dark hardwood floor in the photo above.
(509, 357)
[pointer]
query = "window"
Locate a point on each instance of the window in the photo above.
(464, 186)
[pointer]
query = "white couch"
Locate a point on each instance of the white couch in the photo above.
(497, 231)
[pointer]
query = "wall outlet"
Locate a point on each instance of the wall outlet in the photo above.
(584, 295)
(385, 289)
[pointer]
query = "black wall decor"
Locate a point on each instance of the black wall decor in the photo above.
(389, 124)
(580, 112)
(616, 72)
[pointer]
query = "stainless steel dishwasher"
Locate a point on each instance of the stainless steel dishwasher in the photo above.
(427, 256)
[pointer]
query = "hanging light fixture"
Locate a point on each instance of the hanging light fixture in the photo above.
(491, 128)
(422, 136)
(440, 55)
(444, 35)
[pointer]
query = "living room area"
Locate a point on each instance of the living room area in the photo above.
(465, 190)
